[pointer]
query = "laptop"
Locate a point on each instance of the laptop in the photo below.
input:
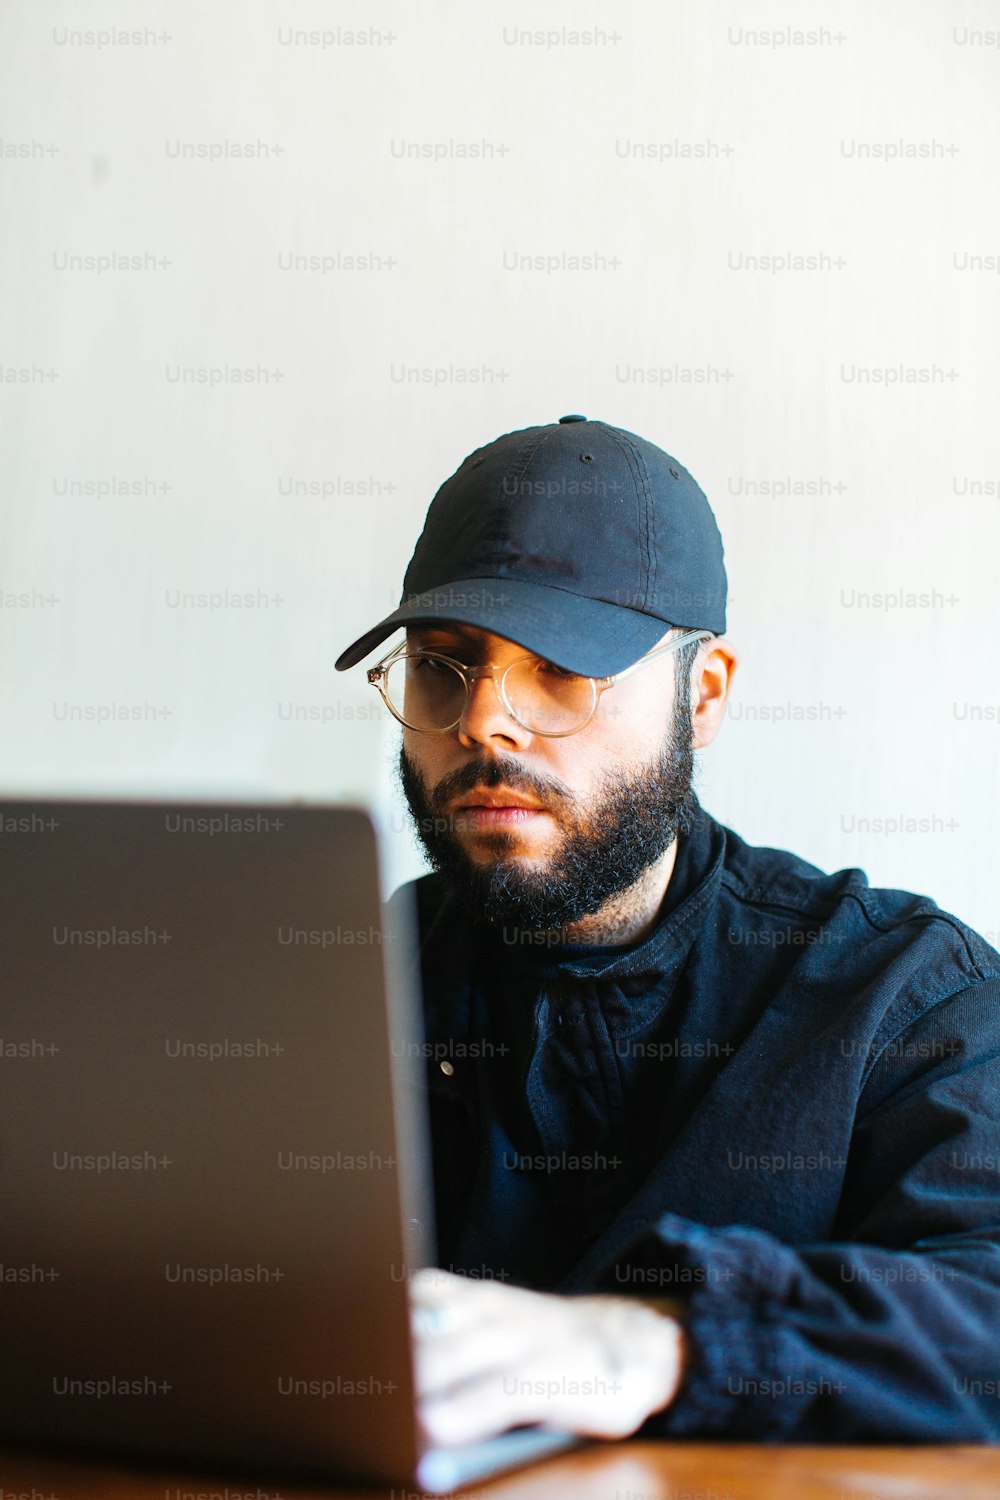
(214, 1164)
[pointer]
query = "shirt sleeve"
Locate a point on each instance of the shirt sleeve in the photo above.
(891, 1329)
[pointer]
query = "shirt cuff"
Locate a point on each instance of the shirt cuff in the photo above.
(735, 1285)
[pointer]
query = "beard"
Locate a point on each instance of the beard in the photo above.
(605, 845)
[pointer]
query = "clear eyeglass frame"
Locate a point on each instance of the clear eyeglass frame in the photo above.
(377, 676)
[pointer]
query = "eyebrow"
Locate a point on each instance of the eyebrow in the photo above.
(456, 639)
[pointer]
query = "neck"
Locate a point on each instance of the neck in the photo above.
(627, 917)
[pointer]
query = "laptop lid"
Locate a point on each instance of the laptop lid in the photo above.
(209, 1150)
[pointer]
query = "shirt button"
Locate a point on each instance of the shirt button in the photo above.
(447, 1069)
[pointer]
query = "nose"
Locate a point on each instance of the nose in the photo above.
(485, 720)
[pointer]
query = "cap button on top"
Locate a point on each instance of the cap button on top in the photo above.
(573, 418)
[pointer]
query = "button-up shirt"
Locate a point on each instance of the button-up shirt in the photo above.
(781, 1107)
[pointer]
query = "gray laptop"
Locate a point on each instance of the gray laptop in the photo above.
(214, 1167)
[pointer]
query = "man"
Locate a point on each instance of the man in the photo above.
(746, 1113)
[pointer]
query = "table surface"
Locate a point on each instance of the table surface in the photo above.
(603, 1471)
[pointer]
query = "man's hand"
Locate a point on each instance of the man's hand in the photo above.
(490, 1356)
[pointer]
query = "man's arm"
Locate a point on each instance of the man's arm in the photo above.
(891, 1329)
(888, 1331)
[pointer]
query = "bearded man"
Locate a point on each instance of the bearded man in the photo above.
(716, 1136)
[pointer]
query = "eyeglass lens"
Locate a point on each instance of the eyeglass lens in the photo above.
(428, 693)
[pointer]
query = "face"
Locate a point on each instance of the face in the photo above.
(533, 832)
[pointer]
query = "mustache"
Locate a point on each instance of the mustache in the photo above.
(499, 771)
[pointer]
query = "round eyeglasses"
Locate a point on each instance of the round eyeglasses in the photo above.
(427, 691)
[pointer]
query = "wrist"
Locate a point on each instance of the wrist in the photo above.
(669, 1349)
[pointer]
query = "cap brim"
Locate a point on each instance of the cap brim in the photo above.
(578, 634)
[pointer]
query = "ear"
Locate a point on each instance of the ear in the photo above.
(711, 680)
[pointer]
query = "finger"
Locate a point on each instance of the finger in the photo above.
(431, 1285)
(434, 1319)
(556, 1390)
(479, 1410)
(438, 1307)
(441, 1303)
(444, 1362)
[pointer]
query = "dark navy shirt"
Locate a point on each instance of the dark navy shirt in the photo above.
(781, 1107)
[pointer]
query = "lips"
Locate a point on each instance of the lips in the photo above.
(498, 799)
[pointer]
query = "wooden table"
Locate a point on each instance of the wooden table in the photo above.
(612, 1471)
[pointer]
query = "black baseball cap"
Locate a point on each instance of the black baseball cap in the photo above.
(578, 540)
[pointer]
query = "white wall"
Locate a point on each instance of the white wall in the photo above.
(90, 580)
